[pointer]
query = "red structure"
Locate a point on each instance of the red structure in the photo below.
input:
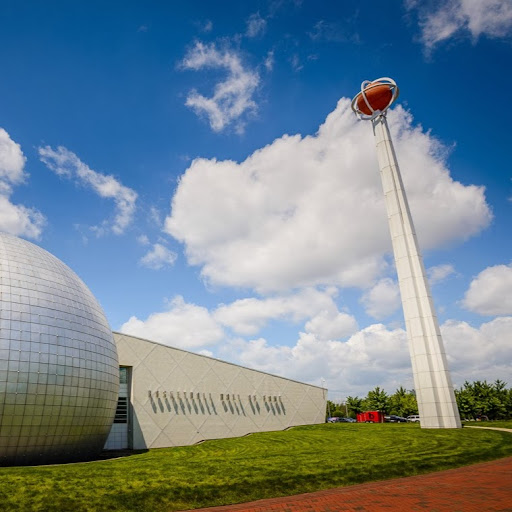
(375, 98)
(375, 95)
(370, 417)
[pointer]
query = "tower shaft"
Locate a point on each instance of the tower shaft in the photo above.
(434, 388)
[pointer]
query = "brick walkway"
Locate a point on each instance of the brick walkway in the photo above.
(481, 487)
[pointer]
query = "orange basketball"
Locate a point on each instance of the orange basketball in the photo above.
(378, 97)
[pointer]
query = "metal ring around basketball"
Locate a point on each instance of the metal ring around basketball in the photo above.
(366, 85)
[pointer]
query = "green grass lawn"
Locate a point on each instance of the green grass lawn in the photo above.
(264, 465)
(498, 423)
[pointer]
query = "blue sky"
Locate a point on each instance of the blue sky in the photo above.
(198, 166)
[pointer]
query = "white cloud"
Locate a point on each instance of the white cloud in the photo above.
(248, 316)
(308, 211)
(244, 317)
(490, 293)
(15, 219)
(232, 98)
(12, 160)
(158, 257)
(65, 163)
(256, 25)
(479, 353)
(269, 61)
(295, 63)
(383, 299)
(154, 216)
(376, 356)
(143, 240)
(329, 324)
(183, 325)
(373, 356)
(440, 273)
(492, 18)
(19, 220)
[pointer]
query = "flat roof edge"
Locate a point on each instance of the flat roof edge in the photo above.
(215, 359)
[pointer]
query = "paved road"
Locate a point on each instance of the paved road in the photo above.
(480, 487)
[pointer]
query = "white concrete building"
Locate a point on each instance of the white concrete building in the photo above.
(171, 397)
(69, 386)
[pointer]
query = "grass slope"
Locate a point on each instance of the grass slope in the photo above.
(490, 424)
(263, 465)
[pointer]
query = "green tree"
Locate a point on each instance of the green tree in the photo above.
(329, 409)
(503, 395)
(465, 403)
(377, 400)
(354, 404)
(403, 403)
(481, 399)
(508, 403)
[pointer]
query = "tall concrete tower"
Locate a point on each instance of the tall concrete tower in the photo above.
(434, 388)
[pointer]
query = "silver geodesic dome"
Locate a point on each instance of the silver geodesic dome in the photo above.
(59, 373)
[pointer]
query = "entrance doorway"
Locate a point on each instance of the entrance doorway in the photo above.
(119, 438)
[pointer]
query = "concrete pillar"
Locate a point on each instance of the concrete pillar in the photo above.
(432, 381)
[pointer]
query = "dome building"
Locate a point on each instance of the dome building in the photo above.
(59, 372)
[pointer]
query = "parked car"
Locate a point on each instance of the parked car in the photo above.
(413, 419)
(340, 420)
(395, 419)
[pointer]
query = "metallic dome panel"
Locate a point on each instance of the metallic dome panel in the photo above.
(59, 373)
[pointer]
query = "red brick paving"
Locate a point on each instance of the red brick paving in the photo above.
(481, 487)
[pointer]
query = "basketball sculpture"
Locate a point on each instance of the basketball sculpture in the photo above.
(432, 381)
(375, 97)
(59, 373)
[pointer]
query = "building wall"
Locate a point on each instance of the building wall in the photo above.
(179, 398)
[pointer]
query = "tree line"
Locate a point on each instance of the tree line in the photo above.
(475, 400)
